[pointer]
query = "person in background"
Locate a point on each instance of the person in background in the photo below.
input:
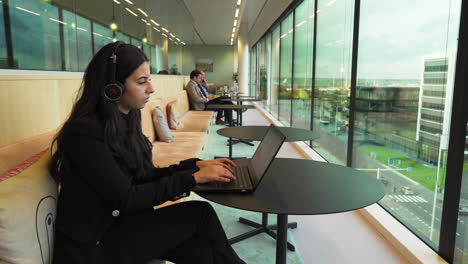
(109, 185)
(199, 98)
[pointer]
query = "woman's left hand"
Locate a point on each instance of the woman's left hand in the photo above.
(226, 163)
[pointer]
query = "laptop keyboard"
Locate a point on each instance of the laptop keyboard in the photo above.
(242, 175)
(242, 179)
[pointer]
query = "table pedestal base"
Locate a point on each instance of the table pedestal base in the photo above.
(248, 142)
(260, 228)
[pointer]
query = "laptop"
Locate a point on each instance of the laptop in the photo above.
(249, 176)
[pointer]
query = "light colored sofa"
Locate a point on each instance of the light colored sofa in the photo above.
(28, 199)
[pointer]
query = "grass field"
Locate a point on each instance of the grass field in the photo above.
(420, 173)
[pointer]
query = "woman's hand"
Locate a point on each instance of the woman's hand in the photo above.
(213, 173)
(226, 163)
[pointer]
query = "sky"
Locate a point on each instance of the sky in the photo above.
(394, 36)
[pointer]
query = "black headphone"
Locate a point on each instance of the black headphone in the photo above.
(114, 90)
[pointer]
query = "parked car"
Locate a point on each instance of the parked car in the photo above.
(407, 190)
(463, 210)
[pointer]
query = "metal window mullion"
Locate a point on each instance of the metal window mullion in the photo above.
(314, 58)
(456, 148)
(8, 37)
(62, 39)
(279, 71)
(92, 38)
(292, 68)
(352, 99)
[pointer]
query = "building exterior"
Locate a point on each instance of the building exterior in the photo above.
(435, 105)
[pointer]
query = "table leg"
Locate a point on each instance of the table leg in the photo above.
(282, 239)
(230, 148)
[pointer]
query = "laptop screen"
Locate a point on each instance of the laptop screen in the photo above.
(266, 152)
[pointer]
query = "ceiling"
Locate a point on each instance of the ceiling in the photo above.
(213, 19)
(198, 22)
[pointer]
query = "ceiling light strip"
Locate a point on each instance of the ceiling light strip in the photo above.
(131, 12)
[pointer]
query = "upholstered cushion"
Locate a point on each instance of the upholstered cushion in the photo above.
(173, 116)
(160, 125)
(27, 214)
(147, 126)
(188, 145)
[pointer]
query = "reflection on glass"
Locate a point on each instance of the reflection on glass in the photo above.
(102, 36)
(85, 50)
(253, 70)
(35, 22)
(69, 41)
(403, 106)
(332, 83)
(262, 70)
(275, 39)
(285, 89)
(303, 47)
(122, 37)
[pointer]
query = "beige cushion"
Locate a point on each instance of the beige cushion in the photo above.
(27, 215)
(173, 116)
(187, 145)
(160, 124)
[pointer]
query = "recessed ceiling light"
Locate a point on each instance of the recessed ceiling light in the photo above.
(143, 12)
(233, 29)
(239, 2)
(130, 11)
(237, 13)
(128, 1)
(235, 22)
(154, 22)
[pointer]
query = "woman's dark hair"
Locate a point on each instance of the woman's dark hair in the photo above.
(128, 145)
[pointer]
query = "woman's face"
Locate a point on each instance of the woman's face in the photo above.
(137, 89)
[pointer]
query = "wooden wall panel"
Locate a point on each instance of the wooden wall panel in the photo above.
(33, 105)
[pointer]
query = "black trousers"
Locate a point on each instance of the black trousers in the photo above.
(187, 232)
(219, 114)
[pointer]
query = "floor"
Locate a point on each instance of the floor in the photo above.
(334, 238)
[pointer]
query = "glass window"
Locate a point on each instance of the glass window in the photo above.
(84, 46)
(403, 106)
(153, 60)
(145, 48)
(302, 84)
(101, 35)
(268, 69)
(461, 242)
(3, 47)
(70, 41)
(275, 63)
(262, 70)
(332, 83)
(35, 22)
(122, 37)
(285, 89)
(253, 70)
(136, 42)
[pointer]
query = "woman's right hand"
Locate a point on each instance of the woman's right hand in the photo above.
(213, 173)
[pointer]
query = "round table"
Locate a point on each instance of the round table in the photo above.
(304, 187)
(256, 133)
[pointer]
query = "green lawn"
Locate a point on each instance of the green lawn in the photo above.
(420, 173)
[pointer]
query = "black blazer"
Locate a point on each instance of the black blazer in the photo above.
(97, 190)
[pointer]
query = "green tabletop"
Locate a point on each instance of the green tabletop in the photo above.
(256, 133)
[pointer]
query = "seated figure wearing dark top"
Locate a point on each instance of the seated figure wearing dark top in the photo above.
(199, 97)
(109, 184)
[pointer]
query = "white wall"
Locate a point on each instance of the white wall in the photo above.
(223, 61)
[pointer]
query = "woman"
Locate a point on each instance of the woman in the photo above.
(109, 185)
